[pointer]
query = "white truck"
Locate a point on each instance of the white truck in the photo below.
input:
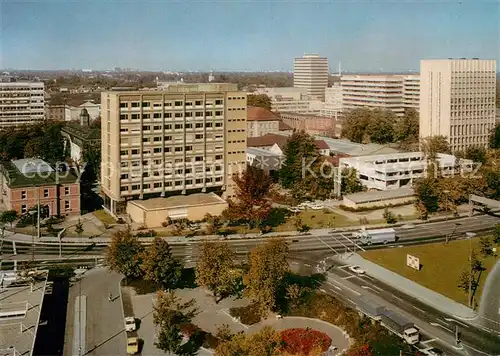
(369, 237)
(400, 326)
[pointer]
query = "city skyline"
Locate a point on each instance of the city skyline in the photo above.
(244, 36)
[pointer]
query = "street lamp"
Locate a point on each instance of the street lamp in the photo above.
(470, 235)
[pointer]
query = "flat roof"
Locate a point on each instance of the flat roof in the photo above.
(20, 307)
(178, 201)
(367, 197)
(262, 152)
(355, 149)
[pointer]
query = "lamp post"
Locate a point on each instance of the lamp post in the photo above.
(470, 235)
(447, 192)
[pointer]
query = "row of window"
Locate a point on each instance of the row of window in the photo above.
(168, 115)
(146, 104)
(236, 97)
(46, 192)
(177, 183)
(136, 163)
(67, 206)
(136, 151)
(169, 172)
(229, 120)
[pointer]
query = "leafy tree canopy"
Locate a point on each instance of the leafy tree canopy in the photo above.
(259, 100)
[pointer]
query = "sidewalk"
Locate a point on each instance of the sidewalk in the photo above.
(427, 296)
(173, 239)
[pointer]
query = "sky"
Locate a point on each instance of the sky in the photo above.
(234, 35)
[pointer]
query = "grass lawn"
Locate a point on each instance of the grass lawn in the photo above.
(104, 217)
(441, 263)
(316, 219)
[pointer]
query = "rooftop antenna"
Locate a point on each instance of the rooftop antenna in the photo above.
(340, 69)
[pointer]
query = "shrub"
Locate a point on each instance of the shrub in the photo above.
(164, 224)
(148, 233)
(389, 216)
(120, 221)
(371, 208)
(248, 315)
(303, 341)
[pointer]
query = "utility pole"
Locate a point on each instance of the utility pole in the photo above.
(470, 235)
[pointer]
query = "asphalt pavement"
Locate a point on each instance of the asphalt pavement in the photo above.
(105, 329)
(489, 308)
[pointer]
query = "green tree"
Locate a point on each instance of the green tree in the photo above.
(79, 228)
(214, 269)
(389, 216)
(486, 246)
(495, 135)
(427, 196)
(8, 216)
(259, 100)
(300, 226)
(124, 254)
(433, 145)
(407, 128)
(268, 266)
(350, 181)
(300, 151)
(476, 154)
(496, 234)
(381, 128)
(160, 266)
(355, 123)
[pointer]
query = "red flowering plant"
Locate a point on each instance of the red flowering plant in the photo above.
(303, 341)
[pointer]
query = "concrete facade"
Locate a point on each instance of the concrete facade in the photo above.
(333, 101)
(153, 212)
(189, 138)
(21, 103)
(311, 72)
(379, 199)
(380, 91)
(394, 171)
(457, 100)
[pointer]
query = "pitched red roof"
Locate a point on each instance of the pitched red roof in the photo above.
(267, 140)
(260, 114)
(283, 126)
(321, 145)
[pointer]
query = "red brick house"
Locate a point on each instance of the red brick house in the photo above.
(25, 182)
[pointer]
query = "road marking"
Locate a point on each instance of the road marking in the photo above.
(456, 321)
(428, 341)
(441, 326)
(352, 290)
(366, 276)
(366, 287)
(295, 263)
(349, 277)
(441, 320)
(397, 298)
(345, 266)
(420, 310)
(307, 265)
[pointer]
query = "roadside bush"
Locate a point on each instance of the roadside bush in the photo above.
(361, 209)
(148, 233)
(303, 341)
(248, 315)
(389, 216)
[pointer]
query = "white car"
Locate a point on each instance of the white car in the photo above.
(357, 269)
(315, 207)
(295, 210)
(130, 324)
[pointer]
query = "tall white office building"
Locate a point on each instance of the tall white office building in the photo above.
(21, 103)
(457, 100)
(311, 72)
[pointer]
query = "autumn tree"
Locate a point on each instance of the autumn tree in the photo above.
(251, 205)
(350, 181)
(124, 254)
(214, 269)
(259, 100)
(361, 350)
(496, 234)
(268, 266)
(381, 128)
(265, 342)
(160, 266)
(169, 313)
(355, 123)
(365, 125)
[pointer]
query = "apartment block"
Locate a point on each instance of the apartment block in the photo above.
(21, 103)
(189, 138)
(290, 99)
(333, 101)
(311, 72)
(392, 92)
(457, 100)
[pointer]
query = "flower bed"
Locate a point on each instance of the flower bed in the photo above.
(303, 341)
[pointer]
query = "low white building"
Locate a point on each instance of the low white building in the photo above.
(264, 159)
(291, 99)
(72, 112)
(397, 170)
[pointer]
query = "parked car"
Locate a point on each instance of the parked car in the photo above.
(356, 269)
(295, 209)
(315, 207)
(130, 324)
(132, 345)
